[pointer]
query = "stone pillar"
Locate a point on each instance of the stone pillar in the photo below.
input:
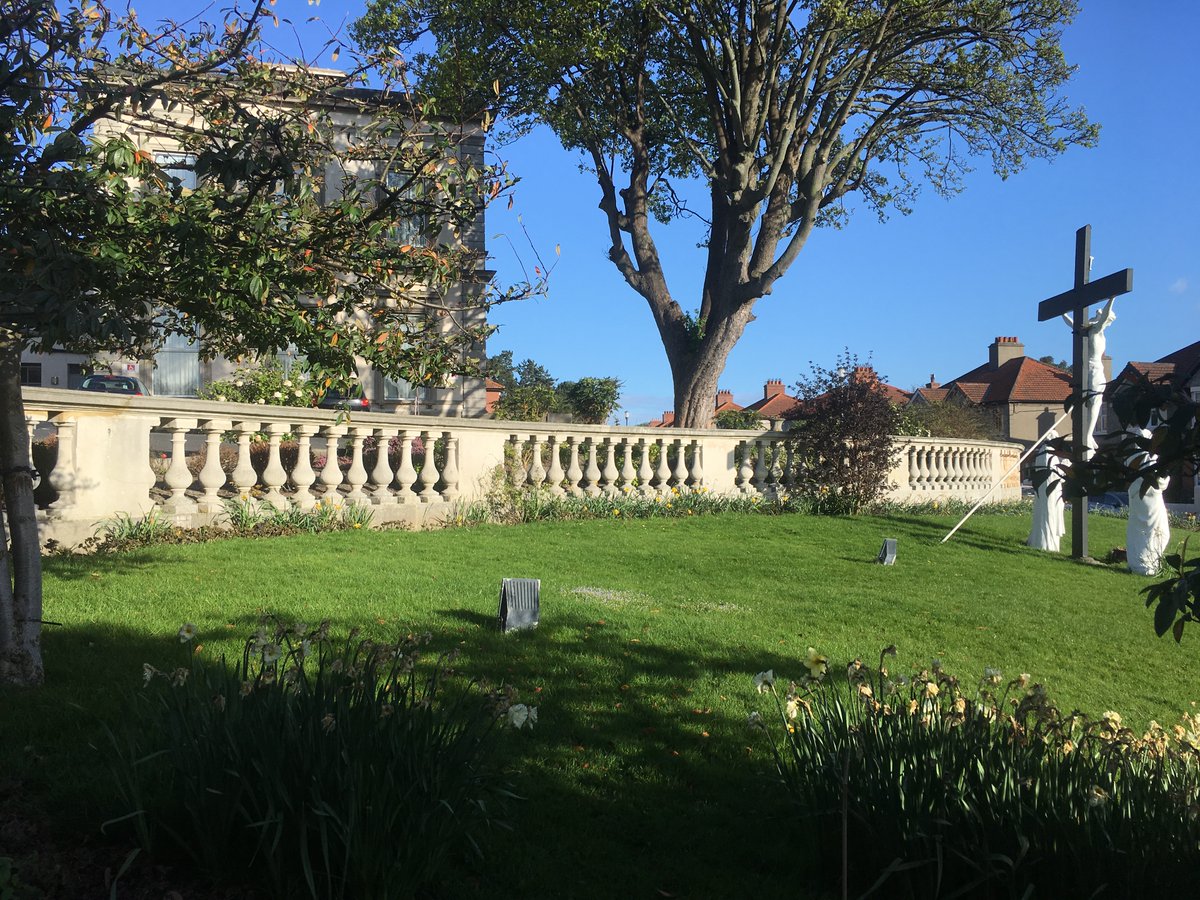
(178, 476)
(303, 475)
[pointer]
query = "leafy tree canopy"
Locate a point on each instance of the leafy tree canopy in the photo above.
(531, 393)
(777, 113)
(105, 247)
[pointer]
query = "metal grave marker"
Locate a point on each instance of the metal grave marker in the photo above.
(519, 603)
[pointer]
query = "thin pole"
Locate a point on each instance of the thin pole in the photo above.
(1012, 468)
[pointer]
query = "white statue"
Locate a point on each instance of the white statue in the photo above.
(1048, 525)
(1093, 333)
(1148, 531)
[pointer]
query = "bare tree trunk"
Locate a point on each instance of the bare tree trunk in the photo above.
(20, 570)
(697, 364)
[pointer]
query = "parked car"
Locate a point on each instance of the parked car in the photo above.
(114, 384)
(354, 399)
(1111, 501)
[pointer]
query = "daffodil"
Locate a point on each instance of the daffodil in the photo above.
(187, 632)
(764, 681)
(522, 716)
(815, 663)
(271, 654)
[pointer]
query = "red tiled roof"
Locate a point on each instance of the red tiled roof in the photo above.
(727, 404)
(1179, 367)
(774, 407)
(897, 396)
(930, 395)
(1020, 380)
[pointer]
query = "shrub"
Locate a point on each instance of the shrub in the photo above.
(738, 418)
(264, 382)
(312, 767)
(934, 790)
(841, 437)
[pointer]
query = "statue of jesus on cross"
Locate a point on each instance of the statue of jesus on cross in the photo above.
(1095, 381)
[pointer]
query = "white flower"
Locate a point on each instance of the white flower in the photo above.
(793, 707)
(260, 400)
(287, 383)
(354, 376)
(271, 654)
(755, 720)
(298, 392)
(520, 715)
(277, 395)
(239, 383)
(221, 397)
(148, 673)
(764, 681)
(187, 632)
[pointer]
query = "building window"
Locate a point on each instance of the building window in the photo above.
(177, 367)
(31, 374)
(413, 191)
(396, 390)
(75, 375)
(180, 167)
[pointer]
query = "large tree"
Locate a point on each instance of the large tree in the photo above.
(781, 112)
(105, 248)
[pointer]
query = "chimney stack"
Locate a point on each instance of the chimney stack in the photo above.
(772, 388)
(933, 385)
(724, 397)
(1003, 349)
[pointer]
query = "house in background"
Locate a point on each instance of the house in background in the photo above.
(1025, 396)
(177, 369)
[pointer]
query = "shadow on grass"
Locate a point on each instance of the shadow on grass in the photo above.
(635, 782)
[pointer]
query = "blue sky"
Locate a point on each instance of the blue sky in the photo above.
(919, 294)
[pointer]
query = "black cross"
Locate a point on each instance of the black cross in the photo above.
(1076, 301)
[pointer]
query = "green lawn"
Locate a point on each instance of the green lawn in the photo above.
(641, 778)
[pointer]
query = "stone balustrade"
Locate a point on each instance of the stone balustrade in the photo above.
(189, 458)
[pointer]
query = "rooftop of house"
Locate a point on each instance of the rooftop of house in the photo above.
(775, 402)
(1180, 367)
(1011, 377)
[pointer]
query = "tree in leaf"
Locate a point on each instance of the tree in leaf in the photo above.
(780, 115)
(103, 247)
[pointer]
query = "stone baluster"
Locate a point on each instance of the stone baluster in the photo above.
(520, 474)
(62, 476)
(913, 474)
(787, 464)
(628, 472)
(662, 472)
(31, 424)
(406, 472)
(680, 472)
(592, 473)
(450, 469)
(696, 478)
(938, 468)
(574, 472)
(985, 468)
(244, 477)
(971, 481)
(381, 472)
(746, 469)
(331, 472)
(760, 467)
(178, 476)
(212, 476)
(303, 475)
(356, 475)
(610, 474)
(956, 468)
(537, 472)
(645, 471)
(429, 473)
(555, 474)
(274, 476)
(923, 467)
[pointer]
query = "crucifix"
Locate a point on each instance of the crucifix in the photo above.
(1073, 305)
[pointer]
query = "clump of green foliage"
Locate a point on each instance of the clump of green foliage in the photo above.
(947, 419)
(924, 787)
(264, 382)
(313, 767)
(531, 394)
(737, 418)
